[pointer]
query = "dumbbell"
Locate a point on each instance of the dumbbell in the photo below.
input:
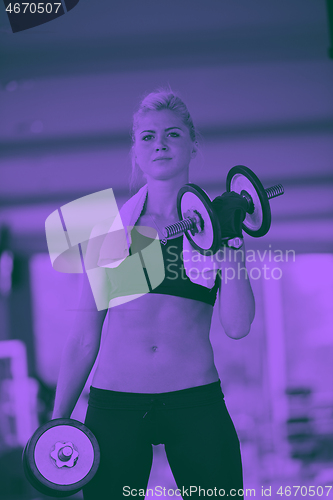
(61, 457)
(199, 220)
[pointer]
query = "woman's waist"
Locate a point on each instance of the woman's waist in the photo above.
(156, 346)
(196, 395)
(155, 369)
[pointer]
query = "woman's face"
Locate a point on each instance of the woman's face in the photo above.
(163, 147)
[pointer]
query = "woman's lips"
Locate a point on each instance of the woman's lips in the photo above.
(164, 158)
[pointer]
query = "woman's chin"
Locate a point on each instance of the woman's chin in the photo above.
(168, 175)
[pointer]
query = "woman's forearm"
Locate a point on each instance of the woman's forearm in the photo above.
(237, 305)
(76, 363)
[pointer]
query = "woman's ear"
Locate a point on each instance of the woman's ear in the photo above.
(194, 150)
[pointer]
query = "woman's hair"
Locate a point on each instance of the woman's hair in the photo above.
(157, 101)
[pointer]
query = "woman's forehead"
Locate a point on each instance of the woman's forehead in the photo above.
(163, 119)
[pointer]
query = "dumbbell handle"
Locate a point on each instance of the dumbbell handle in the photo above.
(189, 223)
(179, 227)
(274, 191)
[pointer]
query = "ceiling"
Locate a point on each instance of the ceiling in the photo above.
(100, 35)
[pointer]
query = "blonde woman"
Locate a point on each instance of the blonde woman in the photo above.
(156, 381)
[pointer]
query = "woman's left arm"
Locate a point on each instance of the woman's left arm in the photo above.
(236, 300)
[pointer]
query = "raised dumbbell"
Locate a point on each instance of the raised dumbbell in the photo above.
(200, 223)
(61, 457)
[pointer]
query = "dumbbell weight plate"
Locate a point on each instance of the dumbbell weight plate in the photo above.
(240, 179)
(192, 197)
(41, 469)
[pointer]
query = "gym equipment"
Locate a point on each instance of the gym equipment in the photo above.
(243, 181)
(201, 223)
(61, 457)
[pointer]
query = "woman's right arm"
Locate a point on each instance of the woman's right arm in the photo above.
(79, 353)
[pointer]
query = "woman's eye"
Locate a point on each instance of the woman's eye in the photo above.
(147, 138)
(174, 134)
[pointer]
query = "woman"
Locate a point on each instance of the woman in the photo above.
(156, 381)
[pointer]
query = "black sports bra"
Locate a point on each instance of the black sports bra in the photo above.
(176, 282)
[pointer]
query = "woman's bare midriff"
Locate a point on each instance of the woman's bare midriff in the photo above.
(156, 343)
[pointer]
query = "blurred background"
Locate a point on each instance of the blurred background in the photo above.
(258, 81)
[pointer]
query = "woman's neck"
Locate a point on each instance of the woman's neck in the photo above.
(162, 198)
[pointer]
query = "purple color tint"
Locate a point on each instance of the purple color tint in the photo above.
(258, 83)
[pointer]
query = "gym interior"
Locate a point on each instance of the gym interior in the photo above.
(258, 81)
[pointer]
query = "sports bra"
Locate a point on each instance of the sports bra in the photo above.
(176, 282)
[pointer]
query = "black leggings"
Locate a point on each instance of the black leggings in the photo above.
(200, 441)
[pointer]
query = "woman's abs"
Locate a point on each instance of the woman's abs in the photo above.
(156, 344)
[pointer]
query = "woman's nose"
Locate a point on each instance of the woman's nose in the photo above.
(161, 145)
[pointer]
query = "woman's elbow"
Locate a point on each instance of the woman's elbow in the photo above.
(237, 333)
(83, 346)
(237, 330)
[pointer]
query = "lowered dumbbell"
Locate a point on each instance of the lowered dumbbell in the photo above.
(61, 457)
(201, 224)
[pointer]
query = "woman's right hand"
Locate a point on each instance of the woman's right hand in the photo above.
(230, 209)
